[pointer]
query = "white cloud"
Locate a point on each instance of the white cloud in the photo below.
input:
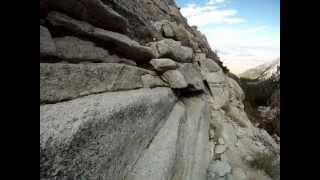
(236, 36)
(239, 47)
(243, 48)
(211, 2)
(210, 14)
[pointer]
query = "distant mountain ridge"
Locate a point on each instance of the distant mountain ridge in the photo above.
(262, 89)
(262, 72)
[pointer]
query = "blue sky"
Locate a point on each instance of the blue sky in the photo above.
(246, 33)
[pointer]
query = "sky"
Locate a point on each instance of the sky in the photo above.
(245, 33)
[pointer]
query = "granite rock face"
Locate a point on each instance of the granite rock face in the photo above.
(163, 64)
(123, 44)
(169, 48)
(151, 81)
(219, 89)
(158, 161)
(168, 31)
(62, 81)
(192, 75)
(100, 136)
(92, 11)
(77, 50)
(175, 79)
(129, 91)
(193, 141)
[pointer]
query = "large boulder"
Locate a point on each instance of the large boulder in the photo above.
(175, 79)
(158, 161)
(158, 25)
(178, 32)
(100, 136)
(183, 35)
(169, 48)
(210, 65)
(192, 75)
(59, 81)
(122, 43)
(168, 31)
(47, 46)
(207, 65)
(163, 64)
(93, 11)
(151, 81)
(218, 87)
(165, 28)
(193, 141)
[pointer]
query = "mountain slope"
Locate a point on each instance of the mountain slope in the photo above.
(262, 72)
(262, 88)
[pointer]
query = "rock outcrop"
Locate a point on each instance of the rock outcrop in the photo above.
(122, 43)
(100, 136)
(163, 64)
(129, 91)
(76, 50)
(192, 75)
(175, 79)
(192, 153)
(169, 48)
(63, 81)
(159, 160)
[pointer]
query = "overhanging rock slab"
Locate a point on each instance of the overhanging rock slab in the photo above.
(59, 81)
(123, 44)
